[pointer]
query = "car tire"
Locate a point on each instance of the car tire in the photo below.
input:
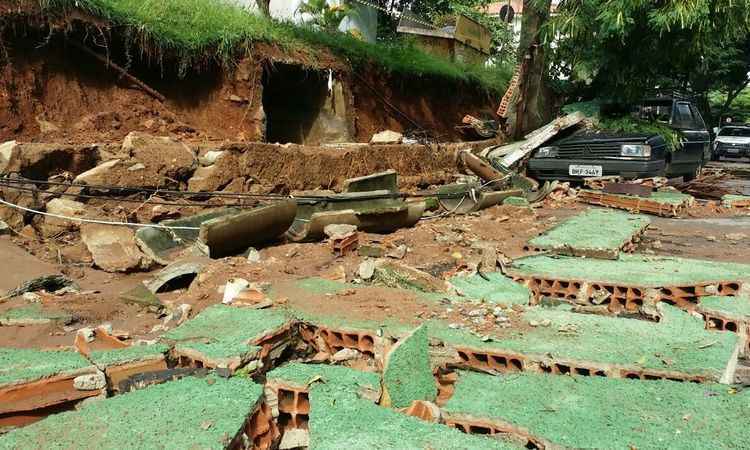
(696, 173)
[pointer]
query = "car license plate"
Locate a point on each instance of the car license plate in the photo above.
(585, 171)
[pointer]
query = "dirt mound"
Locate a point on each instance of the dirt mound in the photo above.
(302, 168)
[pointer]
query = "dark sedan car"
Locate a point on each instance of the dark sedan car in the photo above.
(596, 153)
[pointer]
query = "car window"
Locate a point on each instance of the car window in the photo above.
(735, 131)
(683, 117)
(654, 111)
(698, 118)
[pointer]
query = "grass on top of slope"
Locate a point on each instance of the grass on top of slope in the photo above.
(196, 29)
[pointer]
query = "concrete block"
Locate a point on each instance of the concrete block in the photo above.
(387, 181)
(233, 234)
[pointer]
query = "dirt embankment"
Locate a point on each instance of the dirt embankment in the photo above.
(53, 91)
(296, 167)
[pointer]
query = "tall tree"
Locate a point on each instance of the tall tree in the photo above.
(620, 48)
(533, 108)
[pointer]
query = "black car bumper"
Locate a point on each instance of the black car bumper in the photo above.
(731, 150)
(558, 169)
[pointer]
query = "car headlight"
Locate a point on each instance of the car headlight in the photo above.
(637, 150)
(547, 152)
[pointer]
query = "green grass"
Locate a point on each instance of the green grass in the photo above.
(194, 30)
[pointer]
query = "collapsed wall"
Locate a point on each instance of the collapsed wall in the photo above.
(58, 85)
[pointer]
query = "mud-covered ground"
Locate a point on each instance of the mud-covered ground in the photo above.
(442, 247)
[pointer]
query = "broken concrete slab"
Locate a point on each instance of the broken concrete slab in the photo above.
(288, 388)
(40, 161)
(142, 296)
(203, 179)
(665, 204)
(339, 230)
(494, 288)
(233, 234)
(372, 212)
(728, 314)
(62, 207)
(6, 153)
(735, 201)
(407, 374)
(468, 198)
(167, 245)
(48, 283)
(99, 175)
(387, 137)
(226, 337)
(33, 314)
(394, 274)
(165, 156)
(341, 419)
(629, 282)
(121, 364)
(192, 412)
(596, 233)
(619, 413)
(114, 248)
(382, 181)
(678, 347)
(31, 380)
(188, 267)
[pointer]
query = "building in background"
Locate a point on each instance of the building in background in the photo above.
(511, 11)
(362, 22)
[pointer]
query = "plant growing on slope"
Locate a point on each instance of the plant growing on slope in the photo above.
(324, 16)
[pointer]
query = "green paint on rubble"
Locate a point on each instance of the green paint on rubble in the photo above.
(730, 306)
(407, 375)
(316, 285)
(679, 342)
(670, 198)
(344, 378)
(189, 413)
(24, 365)
(516, 201)
(595, 412)
(499, 289)
(32, 314)
(591, 231)
(663, 197)
(631, 270)
(107, 358)
(222, 331)
(341, 420)
(729, 199)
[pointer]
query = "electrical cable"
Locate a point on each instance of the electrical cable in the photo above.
(120, 199)
(96, 221)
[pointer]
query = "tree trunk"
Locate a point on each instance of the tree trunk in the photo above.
(534, 108)
(264, 6)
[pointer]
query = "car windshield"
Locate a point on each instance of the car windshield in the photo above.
(735, 131)
(655, 111)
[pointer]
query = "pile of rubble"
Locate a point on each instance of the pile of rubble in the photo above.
(491, 312)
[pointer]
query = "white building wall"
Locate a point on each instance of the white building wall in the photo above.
(364, 20)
